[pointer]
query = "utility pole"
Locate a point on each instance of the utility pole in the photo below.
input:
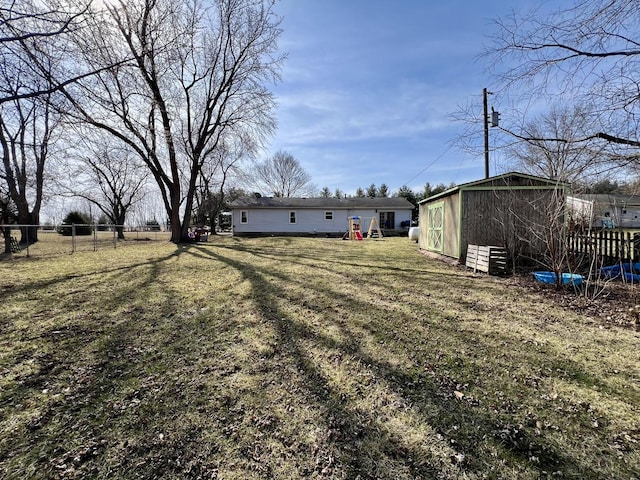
(486, 132)
(495, 120)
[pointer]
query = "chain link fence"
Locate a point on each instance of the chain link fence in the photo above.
(75, 238)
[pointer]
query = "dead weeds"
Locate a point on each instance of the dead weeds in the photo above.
(610, 303)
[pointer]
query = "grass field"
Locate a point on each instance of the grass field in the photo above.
(287, 358)
(51, 243)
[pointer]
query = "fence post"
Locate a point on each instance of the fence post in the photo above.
(570, 237)
(73, 238)
(627, 247)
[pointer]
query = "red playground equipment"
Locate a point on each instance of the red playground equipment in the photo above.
(356, 234)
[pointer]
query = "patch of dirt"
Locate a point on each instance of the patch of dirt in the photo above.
(613, 303)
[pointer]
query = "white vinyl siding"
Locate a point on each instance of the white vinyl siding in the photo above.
(307, 221)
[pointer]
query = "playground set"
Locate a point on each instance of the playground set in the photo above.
(355, 232)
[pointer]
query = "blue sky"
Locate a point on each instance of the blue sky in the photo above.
(369, 86)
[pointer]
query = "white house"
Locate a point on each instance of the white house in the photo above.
(254, 216)
(605, 210)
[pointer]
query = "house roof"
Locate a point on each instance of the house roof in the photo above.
(504, 177)
(609, 198)
(350, 203)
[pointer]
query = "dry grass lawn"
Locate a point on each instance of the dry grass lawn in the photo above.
(287, 358)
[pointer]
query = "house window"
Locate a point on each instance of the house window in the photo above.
(388, 219)
(244, 216)
(292, 216)
(328, 215)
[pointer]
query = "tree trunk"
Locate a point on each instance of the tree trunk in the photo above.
(28, 233)
(177, 234)
(7, 239)
(120, 230)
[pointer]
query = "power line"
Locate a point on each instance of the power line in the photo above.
(428, 166)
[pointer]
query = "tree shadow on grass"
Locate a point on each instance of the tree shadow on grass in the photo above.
(351, 445)
(91, 396)
(431, 393)
(188, 396)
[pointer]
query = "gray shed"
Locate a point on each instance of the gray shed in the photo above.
(514, 210)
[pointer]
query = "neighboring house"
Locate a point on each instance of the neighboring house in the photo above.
(254, 216)
(605, 210)
(514, 210)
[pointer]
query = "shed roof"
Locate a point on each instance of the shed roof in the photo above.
(507, 178)
(397, 203)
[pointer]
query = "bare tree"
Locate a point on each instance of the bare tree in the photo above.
(108, 177)
(31, 34)
(27, 129)
(197, 74)
(551, 147)
(588, 53)
(282, 176)
(215, 176)
(33, 67)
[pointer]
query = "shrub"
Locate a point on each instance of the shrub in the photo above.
(77, 218)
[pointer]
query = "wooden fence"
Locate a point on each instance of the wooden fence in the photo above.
(608, 245)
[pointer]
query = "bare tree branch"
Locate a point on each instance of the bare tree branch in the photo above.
(197, 76)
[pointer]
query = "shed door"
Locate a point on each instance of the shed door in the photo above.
(435, 223)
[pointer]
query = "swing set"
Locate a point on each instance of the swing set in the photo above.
(355, 233)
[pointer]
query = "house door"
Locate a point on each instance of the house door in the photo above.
(387, 220)
(435, 224)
